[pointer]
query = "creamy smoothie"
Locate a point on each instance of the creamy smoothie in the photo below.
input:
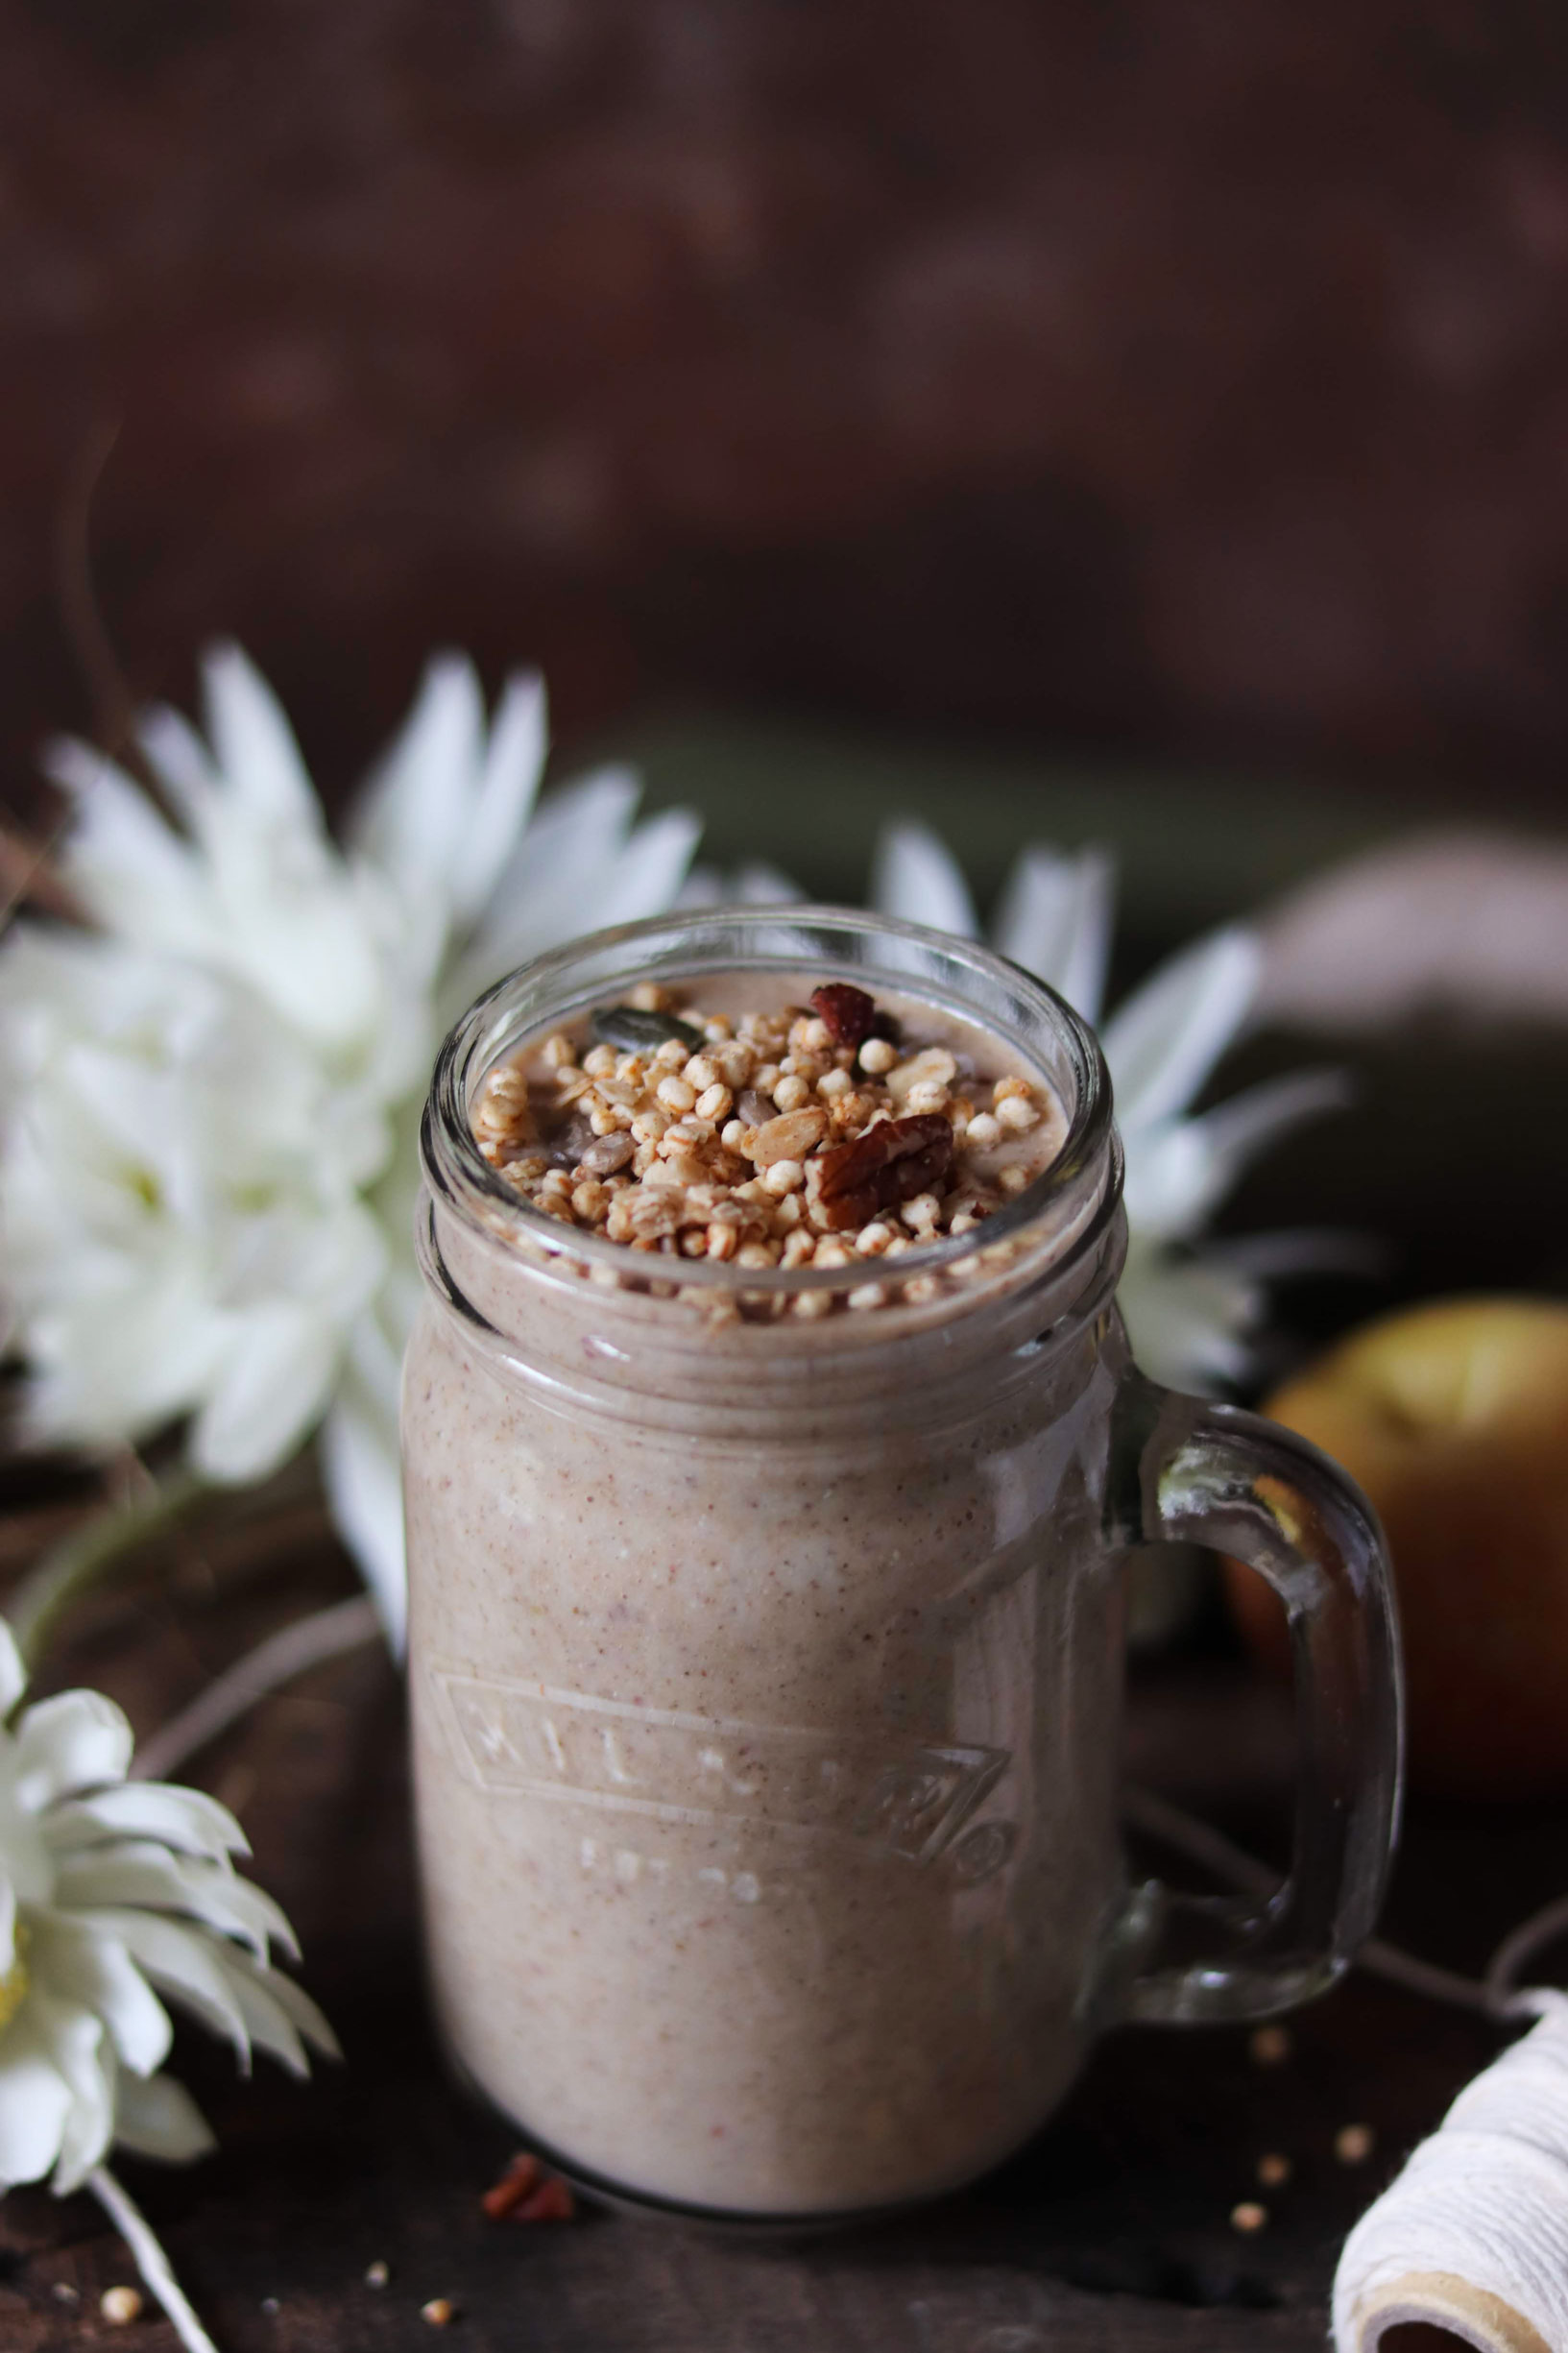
(766, 1660)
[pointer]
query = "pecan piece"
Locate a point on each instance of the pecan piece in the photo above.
(888, 1164)
(848, 1012)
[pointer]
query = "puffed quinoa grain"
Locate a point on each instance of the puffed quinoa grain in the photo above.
(757, 1147)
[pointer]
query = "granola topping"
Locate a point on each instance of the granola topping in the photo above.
(806, 1136)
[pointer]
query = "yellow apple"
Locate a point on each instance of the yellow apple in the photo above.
(1454, 1418)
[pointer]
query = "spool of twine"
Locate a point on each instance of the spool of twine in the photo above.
(1471, 2239)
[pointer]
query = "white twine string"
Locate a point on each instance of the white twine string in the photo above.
(1471, 2240)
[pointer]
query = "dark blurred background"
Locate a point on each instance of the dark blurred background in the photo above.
(1177, 387)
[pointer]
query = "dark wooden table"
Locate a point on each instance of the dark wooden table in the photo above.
(1112, 2230)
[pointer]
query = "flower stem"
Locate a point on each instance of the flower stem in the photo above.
(326, 1634)
(152, 2262)
(107, 1543)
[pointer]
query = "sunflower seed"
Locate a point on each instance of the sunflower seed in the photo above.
(633, 1031)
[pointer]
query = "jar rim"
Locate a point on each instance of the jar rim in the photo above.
(572, 978)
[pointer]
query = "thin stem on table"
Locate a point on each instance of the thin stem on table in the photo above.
(151, 2261)
(108, 1542)
(326, 1634)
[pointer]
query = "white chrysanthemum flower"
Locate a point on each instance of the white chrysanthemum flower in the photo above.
(209, 1158)
(1189, 1312)
(183, 1228)
(113, 1892)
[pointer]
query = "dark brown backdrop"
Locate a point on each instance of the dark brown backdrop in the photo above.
(1188, 379)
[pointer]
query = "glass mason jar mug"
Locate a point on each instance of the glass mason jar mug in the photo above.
(766, 1669)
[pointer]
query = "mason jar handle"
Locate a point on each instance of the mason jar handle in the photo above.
(1194, 1472)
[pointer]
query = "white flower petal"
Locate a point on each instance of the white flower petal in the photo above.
(73, 1742)
(271, 2026)
(34, 2100)
(548, 890)
(255, 746)
(411, 816)
(1179, 1170)
(1055, 920)
(914, 876)
(120, 1363)
(277, 1379)
(183, 1962)
(1188, 1319)
(1162, 1043)
(120, 859)
(514, 762)
(96, 1972)
(758, 884)
(361, 1469)
(179, 758)
(12, 1673)
(160, 2119)
(184, 1818)
(755, 884)
(1246, 1124)
(75, 2041)
(648, 873)
(302, 2012)
(140, 1873)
